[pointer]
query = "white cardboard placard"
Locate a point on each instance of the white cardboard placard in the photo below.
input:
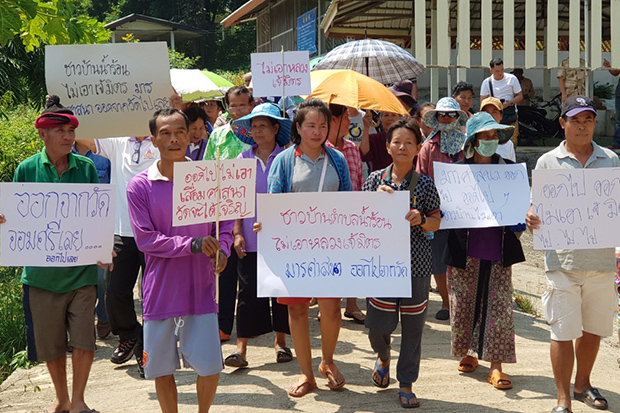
(578, 208)
(113, 89)
(56, 225)
(482, 196)
(334, 244)
(195, 191)
(281, 74)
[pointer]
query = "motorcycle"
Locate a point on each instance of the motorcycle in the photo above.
(536, 125)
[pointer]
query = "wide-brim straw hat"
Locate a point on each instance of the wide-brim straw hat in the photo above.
(242, 127)
(483, 121)
(445, 105)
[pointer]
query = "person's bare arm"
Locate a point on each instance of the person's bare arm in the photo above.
(414, 90)
(562, 88)
(365, 142)
(517, 99)
(614, 72)
(532, 221)
(89, 143)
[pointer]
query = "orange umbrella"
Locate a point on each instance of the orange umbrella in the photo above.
(353, 89)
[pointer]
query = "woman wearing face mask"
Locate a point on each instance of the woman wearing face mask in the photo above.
(443, 144)
(479, 271)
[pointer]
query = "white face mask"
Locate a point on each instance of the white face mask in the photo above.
(487, 148)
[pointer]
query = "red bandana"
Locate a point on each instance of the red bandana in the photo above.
(49, 120)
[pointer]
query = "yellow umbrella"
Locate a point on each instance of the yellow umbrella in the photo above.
(353, 89)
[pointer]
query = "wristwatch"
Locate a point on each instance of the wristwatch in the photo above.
(423, 221)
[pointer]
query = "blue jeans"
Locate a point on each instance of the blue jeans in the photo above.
(616, 141)
(100, 310)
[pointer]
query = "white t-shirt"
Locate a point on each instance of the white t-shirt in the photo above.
(506, 88)
(123, 154)
(356, 128)
(507, 151)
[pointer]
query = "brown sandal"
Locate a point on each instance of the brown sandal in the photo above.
(468, 364)
(334, 381)
(497, 377)
(301, 389)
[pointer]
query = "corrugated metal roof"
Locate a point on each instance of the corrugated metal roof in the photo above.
(394, 19)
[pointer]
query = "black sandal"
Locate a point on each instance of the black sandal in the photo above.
(235, 360)
(284, 355)
(589, 397)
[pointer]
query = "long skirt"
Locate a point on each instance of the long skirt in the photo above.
(481, 311)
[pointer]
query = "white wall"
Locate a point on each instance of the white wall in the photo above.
(476, 76)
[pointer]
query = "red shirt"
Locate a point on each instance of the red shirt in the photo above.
(354, 162)
(430, 153)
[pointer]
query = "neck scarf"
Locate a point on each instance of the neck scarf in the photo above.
(451, 137)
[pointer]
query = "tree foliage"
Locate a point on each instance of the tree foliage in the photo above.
(39, 22)
(223, 49)
(28, 25)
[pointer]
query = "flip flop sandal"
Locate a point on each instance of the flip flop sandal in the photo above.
(497, 377)
(235, 360)
(560, 409)
(408, 397)
(300, 390)
(468, 364)
(383, 373)
(284, 355)
(589, 397)
(334, 382)
(357, 316)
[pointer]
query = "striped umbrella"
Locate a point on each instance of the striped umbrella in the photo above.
(194, 84)
(381, 60)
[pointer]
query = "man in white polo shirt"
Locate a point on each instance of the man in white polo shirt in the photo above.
(580, 301)
(505, 87)
(129, 156)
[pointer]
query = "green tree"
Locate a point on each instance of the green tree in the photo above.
(28, 25)
(227, 49)
(39, 22)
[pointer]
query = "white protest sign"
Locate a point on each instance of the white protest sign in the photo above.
(334, 244)
(482, 196)
(278, 74)
(113, 89)
(56, 225)
(578, 208)
(195, 191)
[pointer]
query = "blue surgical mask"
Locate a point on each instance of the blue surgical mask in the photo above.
(487, 148)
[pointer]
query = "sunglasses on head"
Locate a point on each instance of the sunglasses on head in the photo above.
(449, 114)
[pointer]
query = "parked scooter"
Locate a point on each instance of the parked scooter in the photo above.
(536, 125)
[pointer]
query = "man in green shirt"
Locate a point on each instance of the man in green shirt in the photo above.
(60, 301)
(239, 102)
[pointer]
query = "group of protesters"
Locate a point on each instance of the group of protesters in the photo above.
(308, 153)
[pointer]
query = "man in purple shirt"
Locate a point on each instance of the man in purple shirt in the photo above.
(179, 280)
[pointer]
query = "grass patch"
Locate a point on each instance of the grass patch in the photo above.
(526, 305)
(12, 330)
(19, 139)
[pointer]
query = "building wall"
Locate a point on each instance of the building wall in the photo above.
(476, 76)
(276, 26)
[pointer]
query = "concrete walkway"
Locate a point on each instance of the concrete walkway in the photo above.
(262, 387)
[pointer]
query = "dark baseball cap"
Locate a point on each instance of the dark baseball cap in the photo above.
(577, 104)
